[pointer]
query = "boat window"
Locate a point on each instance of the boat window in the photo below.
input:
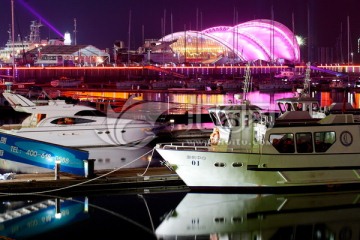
(40, 117)
(64, 121)
(323, 141)
(283, 142)
(256, 116)
(232, 120)
(304, 142)
(214, 118)
(315, 107)
(94, 112)
(281, 107)
(288, 107)
(222, 118)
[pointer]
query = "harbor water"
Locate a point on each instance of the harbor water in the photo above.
(180, 214)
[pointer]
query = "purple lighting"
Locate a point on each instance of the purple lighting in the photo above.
(260, 39)
(43, 20)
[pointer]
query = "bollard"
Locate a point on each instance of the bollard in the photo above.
(57, 170)
(89, 168)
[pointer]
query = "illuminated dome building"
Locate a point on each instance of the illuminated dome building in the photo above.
(261, 39)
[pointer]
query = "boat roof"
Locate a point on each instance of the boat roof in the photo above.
(298, 99)
(237, 107)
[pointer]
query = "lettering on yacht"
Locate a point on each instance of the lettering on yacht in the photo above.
(3, 140)
(195, 157)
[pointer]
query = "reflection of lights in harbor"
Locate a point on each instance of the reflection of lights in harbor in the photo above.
(57, 209)
(86, 204)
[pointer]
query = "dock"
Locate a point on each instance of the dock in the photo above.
(130, 179)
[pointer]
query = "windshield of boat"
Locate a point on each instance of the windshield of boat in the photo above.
(92, 113)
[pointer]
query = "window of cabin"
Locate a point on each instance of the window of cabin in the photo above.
(256, 117)
(315, 107)
(214, 118)
(222, 118)
(232, 119)
(324, 140)
(282, 107)
(304, 143)
(283, 142)
(67, 121)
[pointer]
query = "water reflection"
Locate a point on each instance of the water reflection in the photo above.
(251, 216)
(20, 219)
(181, 215)
(118, 214)
(264, 99)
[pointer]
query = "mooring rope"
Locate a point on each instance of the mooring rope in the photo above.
(85, 182)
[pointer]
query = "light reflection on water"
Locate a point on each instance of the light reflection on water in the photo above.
(265, 100)
(270, 216)
(181, 214)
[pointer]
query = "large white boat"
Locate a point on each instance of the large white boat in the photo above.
(255, 153)
(20, 45)
(333, 215)
(113, 142)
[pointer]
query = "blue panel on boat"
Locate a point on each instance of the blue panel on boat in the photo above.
(42, 154)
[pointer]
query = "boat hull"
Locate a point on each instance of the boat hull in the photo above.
(202, 169)
(88, 136)
(106, 158)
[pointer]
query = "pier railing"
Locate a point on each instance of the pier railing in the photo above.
(117, 73)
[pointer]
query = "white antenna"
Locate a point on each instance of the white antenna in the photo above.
(246, 81)
(75, 31)
(306, 90)
(13, 39)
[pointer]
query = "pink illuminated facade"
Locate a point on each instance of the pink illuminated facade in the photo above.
(261, 39)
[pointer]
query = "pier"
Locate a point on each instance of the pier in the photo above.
(122, 180)
(108, 74)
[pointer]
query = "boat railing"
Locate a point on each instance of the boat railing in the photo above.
(184, 146)
(10, 126)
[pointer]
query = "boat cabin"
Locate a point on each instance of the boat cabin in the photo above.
(309, 106)
(245, 127)
(234, 125)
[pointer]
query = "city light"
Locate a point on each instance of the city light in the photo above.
(300, 40)
(67, 38)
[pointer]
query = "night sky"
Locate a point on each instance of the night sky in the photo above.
(102, 22)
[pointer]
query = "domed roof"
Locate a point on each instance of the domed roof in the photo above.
(259, 39)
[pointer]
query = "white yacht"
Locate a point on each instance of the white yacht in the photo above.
(112, 142)
(255, 153)
(252, 149)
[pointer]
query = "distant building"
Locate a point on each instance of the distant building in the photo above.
(21, 45)
(252, 41)
(54, 52)
(68, 55)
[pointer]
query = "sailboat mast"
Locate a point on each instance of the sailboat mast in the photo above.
(246, 81)
(13, 39)
(348, 38)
